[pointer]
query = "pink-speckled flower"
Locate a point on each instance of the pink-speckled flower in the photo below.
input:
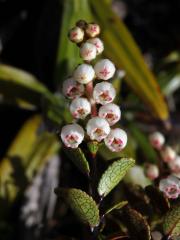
(92, 30)
(170, 186)
(88, 51)
(157, 140)
(174, 165)
(97, 128)
(104, 69)
(104, 93)
(98, 44)
(72, 88)
(111, 112)
(76, 35)
(116, 140)
(80, 108)
(152, 171)
(72, 135)
(168, 154)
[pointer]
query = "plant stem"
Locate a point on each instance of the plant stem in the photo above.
(89, 94)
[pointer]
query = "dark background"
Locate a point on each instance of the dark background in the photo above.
(29, 34)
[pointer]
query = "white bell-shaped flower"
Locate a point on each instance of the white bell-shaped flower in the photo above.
(92, 30)
(111, 112)
(80, 108)
(104, 69)
(152, 171)
(84, 73)
(88, 51)
(104, 93)
(168, 154)
(98, 44)
(174, 165)
(76, 34)
(156, 235)
(170, 186)
(72, 135)
(157, 140)
(72, 88)
(116, 140)
(97, 128)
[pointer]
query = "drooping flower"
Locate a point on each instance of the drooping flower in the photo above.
(88, 51)
(116, 140)
(152, 171)
(98, 44)
(170, 186)
(92, 30)
(80, 108)
(72, 88)
(72, 135)
(104, 93)
(104, 69)
(97, 128)
(168, 154)
(76, 35)
(84, 73)
(157, 140)
(111, 112)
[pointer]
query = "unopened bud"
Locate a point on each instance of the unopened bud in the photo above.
(88, 51)
(76, 35)
(104, 69)
(157, 140)
(84, 73)
(92, 30)
(152, 171)
(98, 44)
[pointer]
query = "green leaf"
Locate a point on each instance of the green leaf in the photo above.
(116, 207)
(158, 200)
(82, 204)
(171, 225)
(113, 175)
(19, 85)
(136, 224)
(28, 152)
(78, 158)
(123, 51)
(68, 52)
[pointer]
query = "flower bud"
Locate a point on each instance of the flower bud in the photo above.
(72, 89)
(72, 135)
(174, 165)
(76, 35)
(156, 235)
(157, 140)
(116, 140)
(98, 44)
(170, 186)
(80, 108)
(104, 69)
(88, 51)
(97, 128)
(84, 73)
(92, 30)
(168, 154)
(111, 112)
(152, 171)
(104, 93)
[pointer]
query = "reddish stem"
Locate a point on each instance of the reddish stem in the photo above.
(89, 94)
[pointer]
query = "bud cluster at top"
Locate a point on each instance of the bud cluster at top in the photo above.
(171, 185)
(92, 101)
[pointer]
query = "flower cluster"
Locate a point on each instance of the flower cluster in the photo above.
(171, 185)
(91, 93)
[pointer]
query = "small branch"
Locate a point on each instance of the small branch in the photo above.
(89, 94)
